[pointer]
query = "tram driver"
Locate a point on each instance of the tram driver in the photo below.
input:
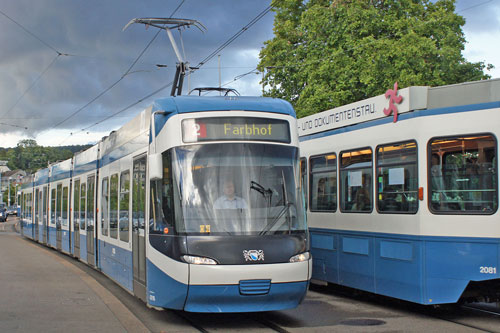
(231, 210)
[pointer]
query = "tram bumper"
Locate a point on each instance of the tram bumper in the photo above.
(247, 288)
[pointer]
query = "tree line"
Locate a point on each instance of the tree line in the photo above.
(30, 157)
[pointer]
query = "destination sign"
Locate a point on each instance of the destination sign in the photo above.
(235, 128)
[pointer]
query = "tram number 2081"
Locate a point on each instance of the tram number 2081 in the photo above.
(487, 270)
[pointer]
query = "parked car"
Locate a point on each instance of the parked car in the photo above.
(3, 214)
(12, 210)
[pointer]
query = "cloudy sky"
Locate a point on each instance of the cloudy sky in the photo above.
(71, 98)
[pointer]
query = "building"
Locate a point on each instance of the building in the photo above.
(12, 176)
(3, 166)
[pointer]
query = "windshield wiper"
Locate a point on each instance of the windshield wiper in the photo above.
(266, 193)
(270, 225)
(286, 208)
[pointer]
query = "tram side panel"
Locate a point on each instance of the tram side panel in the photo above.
(116, 203)
(115, 252)
(424, 257)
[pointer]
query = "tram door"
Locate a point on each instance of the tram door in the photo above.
(38, 201)
(90, 220)
(138, 225)
(59, 216)
(45, 224)
(76, 218)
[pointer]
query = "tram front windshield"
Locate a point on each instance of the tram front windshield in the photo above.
(228, 189)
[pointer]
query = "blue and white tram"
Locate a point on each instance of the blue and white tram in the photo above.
(58, 206)
(198, 205)
(27, 226)
(403, 193)
(227, 229)
(83, 203)
(40, 201)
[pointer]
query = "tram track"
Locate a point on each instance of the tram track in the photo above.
(159, 321)
(216, 322)
(470, 316)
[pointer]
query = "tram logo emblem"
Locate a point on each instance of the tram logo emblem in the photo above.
(253, 255)
(392, 94)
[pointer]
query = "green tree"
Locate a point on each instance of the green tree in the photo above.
(327, 53)
(29, 156)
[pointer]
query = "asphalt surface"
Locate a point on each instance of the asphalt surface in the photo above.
(42, 290)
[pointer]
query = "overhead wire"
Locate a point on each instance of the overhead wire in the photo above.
(30, 33)
(41, 74)
(204, 61)
(31, 86)
(236, 35)
(117, 81)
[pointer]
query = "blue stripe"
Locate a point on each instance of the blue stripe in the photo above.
(188, 104)
(117, 264)
(407, 237)
(227, 298)
(130, 147)
(42, 177)
(421, 269)
(83, 168)
(402, 117)
(61, 176)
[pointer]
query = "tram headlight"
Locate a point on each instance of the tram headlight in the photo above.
(199, 260)
(300, 257)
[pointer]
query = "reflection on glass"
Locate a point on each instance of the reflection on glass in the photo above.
(463, 175)
(324, 183)
(356, 181)
(113, 206)
(397, 183)
(238, 189)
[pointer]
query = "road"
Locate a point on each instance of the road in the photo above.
(43, 290)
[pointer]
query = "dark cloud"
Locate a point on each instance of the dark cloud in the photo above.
(91, 32)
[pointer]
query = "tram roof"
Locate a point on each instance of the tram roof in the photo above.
(186, 104)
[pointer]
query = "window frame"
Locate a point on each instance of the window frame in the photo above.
(340, 190)
(310, 174)
(377, 175)
(304, 182)
(429, 180)
(120, 194)
(116, 209)
(105, 219)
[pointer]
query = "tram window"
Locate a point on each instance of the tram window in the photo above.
(397, 181)
(104, 207)
(37, 205)
(45, 203)
(124, 205)
(90, 203)
(113, 206)
(53, 206)
(65, 206)
(58, 205)
(83, 196)
(303, 178)
(463, 175)
(162, 205)
(76, 204)
(139, 194)
(323, 183)
(356, 180)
